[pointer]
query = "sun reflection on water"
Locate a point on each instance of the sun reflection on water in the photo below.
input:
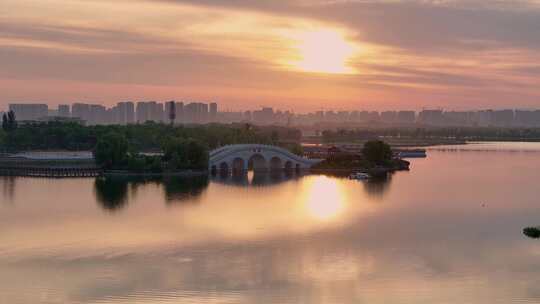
(324, 199)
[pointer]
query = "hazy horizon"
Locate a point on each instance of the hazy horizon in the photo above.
(301, 55)
(221, 108)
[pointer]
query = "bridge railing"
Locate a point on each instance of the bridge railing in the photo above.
(219, 155)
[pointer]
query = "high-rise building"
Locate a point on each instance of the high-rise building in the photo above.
(179, 107)
(125, 113)
(431, 117)
(527, 118)
(456, 118)
(364, 116)
(191, 112)
(156, 111)
(503, 118)
(196, 112)
(213, 112)
(247, 116)
(81, 111)
(389, 116)
(170, 111)
(374, 116)
(27, 111)
(143, 112)
(150, 111)
(97, 115)
(203, 110)
(406, 117)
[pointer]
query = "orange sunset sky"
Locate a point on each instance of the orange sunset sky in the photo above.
(300, 55)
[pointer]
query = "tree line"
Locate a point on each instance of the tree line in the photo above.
(148, 146)
(457, 133)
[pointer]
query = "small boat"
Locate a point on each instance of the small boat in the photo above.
(418, 153)
(359, 176)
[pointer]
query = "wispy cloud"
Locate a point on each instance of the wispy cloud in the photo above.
(445, 52)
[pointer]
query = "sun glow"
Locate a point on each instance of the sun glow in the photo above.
(324, 51)
(325, 200)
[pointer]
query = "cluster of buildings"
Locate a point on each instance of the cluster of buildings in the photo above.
(199, 113)
(122, 113)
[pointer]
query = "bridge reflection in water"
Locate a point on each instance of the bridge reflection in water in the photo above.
(256, 178)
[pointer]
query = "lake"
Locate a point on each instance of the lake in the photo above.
(448, 231)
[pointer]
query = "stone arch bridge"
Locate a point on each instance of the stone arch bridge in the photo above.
(257, 157)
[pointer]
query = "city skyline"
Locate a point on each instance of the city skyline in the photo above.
(310, 54)
(177, 112)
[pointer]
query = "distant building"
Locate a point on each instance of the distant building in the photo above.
(406, 117)
(97, 116)
(27, 111)
(524, 118)
(170, 111)
(457, 118)
(213, 112)
(179, 107)
(157, 112)
(150, 111)
(191, 112)
(374, 116)
(125, 113)
(196, 112)
(81, 111)
(364, 116)
(389, 116)
(431, 117)
(503, 118)
(484, 118)
(143, 112)
(203, 112)
(247, 116)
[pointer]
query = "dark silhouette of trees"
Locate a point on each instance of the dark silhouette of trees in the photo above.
(9, 121)
(185, 154)
(377, 151)
(111, 151)
(111, 193)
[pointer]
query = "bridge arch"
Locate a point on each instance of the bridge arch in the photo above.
(257, 162)
(224, 167)
(238, 165)
(288, 165)
(257, 157)
(276, 163)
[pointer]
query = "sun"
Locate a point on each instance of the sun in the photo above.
(324, 200)
(324, 51)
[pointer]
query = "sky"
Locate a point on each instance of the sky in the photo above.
(300, 55)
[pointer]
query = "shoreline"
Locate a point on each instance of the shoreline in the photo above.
(186, 173)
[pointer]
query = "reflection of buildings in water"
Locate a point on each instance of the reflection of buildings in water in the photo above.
(8, 187)
(112, 192)
(254, 178)
(378, 187)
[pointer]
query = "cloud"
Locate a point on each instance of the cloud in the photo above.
(469, 50)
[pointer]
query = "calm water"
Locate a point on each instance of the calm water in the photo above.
(448, 231)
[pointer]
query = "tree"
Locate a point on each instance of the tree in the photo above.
(185, 154)
(5, 125)
(111, 151)
(197, 154)
(377, 151)
(2, 138)
(9, 121)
